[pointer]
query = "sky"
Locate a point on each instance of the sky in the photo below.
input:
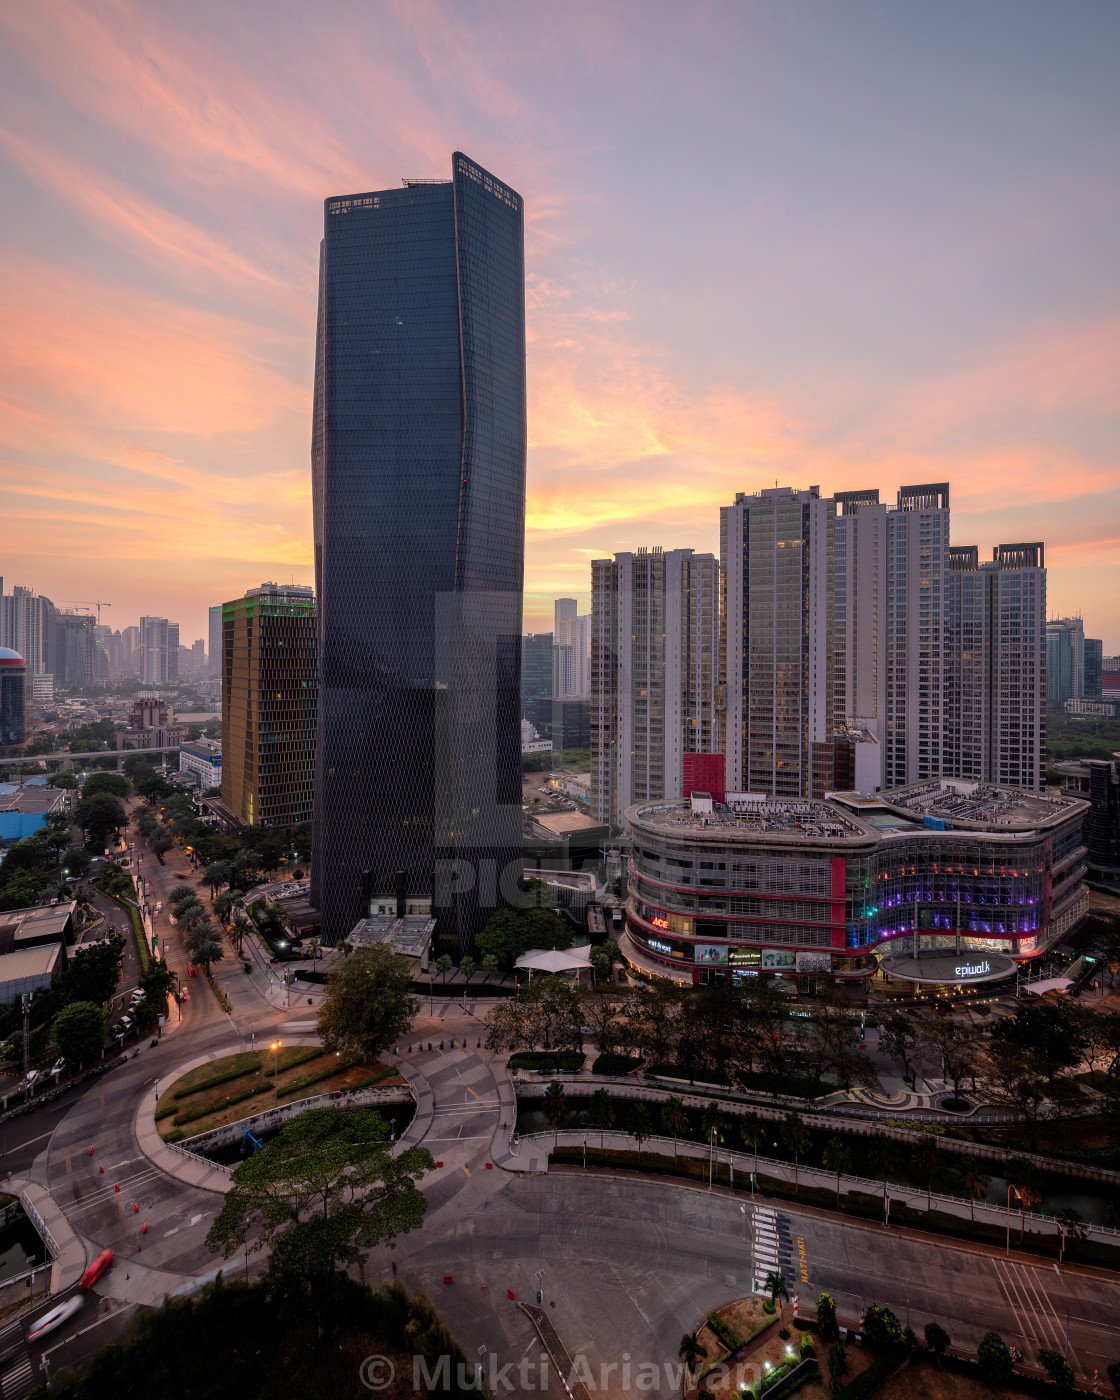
(869, 243)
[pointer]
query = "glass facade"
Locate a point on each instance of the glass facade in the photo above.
(418, 479)
(269, 699)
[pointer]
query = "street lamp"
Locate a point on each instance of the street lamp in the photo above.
(275, 1048)
(1010, 1189)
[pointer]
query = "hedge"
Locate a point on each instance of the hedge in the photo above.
(568, 1061)
(725, 1334)
(230, 1074)
(192, 1115)
(788, 1376)
(609, 1063)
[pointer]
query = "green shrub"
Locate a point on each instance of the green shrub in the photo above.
(769, 1306)
(609, 1063)
(175, 1135)
(569, 1061)
(227, 1075)
(826, 1318)
(724, 1334)
(995, 1360)
(881, 1327)
(807, 1347)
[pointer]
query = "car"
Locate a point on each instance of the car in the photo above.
(96, 1269)
(137, 995)
(57, 1316)
(32, 1075)
(59, 1065)
(125, 1023)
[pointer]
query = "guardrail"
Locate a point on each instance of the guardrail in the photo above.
(40, 1226)
(746, 1163)
(871, 1124)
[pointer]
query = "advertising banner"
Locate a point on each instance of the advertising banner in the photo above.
(710, 954)
(814, 962)
(778, 960)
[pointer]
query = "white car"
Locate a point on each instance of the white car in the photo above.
(59, 1065)
(56, 1317)
(32, 1075)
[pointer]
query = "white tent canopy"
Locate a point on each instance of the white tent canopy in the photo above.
(555, 959)
(1049, 984)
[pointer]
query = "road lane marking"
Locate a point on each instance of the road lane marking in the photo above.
(466, 1169)
(66, 1154)
(473, 1094)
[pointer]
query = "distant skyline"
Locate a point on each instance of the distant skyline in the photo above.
(859, 245)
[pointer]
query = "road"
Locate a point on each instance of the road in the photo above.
(628, 1264)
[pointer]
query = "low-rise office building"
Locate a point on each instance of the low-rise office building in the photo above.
(754, 886)
(26, 808)
(203, 759)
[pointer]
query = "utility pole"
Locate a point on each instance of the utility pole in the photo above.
(26, 1019)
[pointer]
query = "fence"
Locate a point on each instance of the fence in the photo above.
(871, 1124)
(746, 1163)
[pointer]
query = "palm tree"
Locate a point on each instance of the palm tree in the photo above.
(227, 902)
(181, 892)
(444, 966)
(601, 1116)
(690, 1353)
(713, 1123)
(239, 927)
(750, 1129)
(775, 1285)
(1070, 1226)
(641, 1128)
(468, 967)
(975, 1183)
(489, 965)
(837, 1158)
(795, 1135)
(216, 874)
(1020, 1174)
(675, 1118)
(201, 944)
(925, 1159)
(554, 1106)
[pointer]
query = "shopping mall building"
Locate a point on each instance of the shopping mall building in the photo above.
(849, 885)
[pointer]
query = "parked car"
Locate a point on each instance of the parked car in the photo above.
(32, 1075)
(59, 1065)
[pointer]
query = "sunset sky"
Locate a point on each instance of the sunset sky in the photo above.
(854, 244)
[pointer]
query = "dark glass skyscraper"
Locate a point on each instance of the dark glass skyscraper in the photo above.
(418, 474)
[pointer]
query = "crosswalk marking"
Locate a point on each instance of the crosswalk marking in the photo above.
(16, 1381)
(1035, 1312)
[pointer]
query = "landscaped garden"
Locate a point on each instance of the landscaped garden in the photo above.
(237, 1086)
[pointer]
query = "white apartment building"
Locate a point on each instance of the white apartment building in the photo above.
(777, 662)
(654, 673)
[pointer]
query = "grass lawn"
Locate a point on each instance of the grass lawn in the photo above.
(238, 1074)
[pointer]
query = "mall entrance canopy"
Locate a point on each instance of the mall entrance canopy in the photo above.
(947, 968)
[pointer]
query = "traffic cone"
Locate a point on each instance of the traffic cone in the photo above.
(116, 1186)
(144, 1231)
(91, 1152)
(136, 1210)
(100, 1171)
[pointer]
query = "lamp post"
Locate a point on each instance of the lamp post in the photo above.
(1010, 1189)
(275, 1048)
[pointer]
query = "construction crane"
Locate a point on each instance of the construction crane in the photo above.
(88, 603)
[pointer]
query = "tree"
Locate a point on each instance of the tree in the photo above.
(181, 893)
(974, 1182)
(75, 862)
(690, 1353)
(555, 1105)
(1112, 1371)
(115, 784)
(216, 874)
(775, 1285)
(600, 1115)
(750, 1129)
(489, 966)
(156, 984)
(160, 842)
(837, 1158)
(899, 1039)
(827, 1328)
(994, 1359)
(226, 902)
(368, 1004)
(468, 967)
(66, 780)
(937, 1339)
(926, 1159)
(323, 1191)
(1058, 1369)
(837, 1365)
(675, 1118)
(444, 966)
(79, 1032)
(881, 1327)
(100, 817)
(641, 1126)
(1071, 1226)
(93, 972)
(795, 1136)
(955, 1046)
(202, 944)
